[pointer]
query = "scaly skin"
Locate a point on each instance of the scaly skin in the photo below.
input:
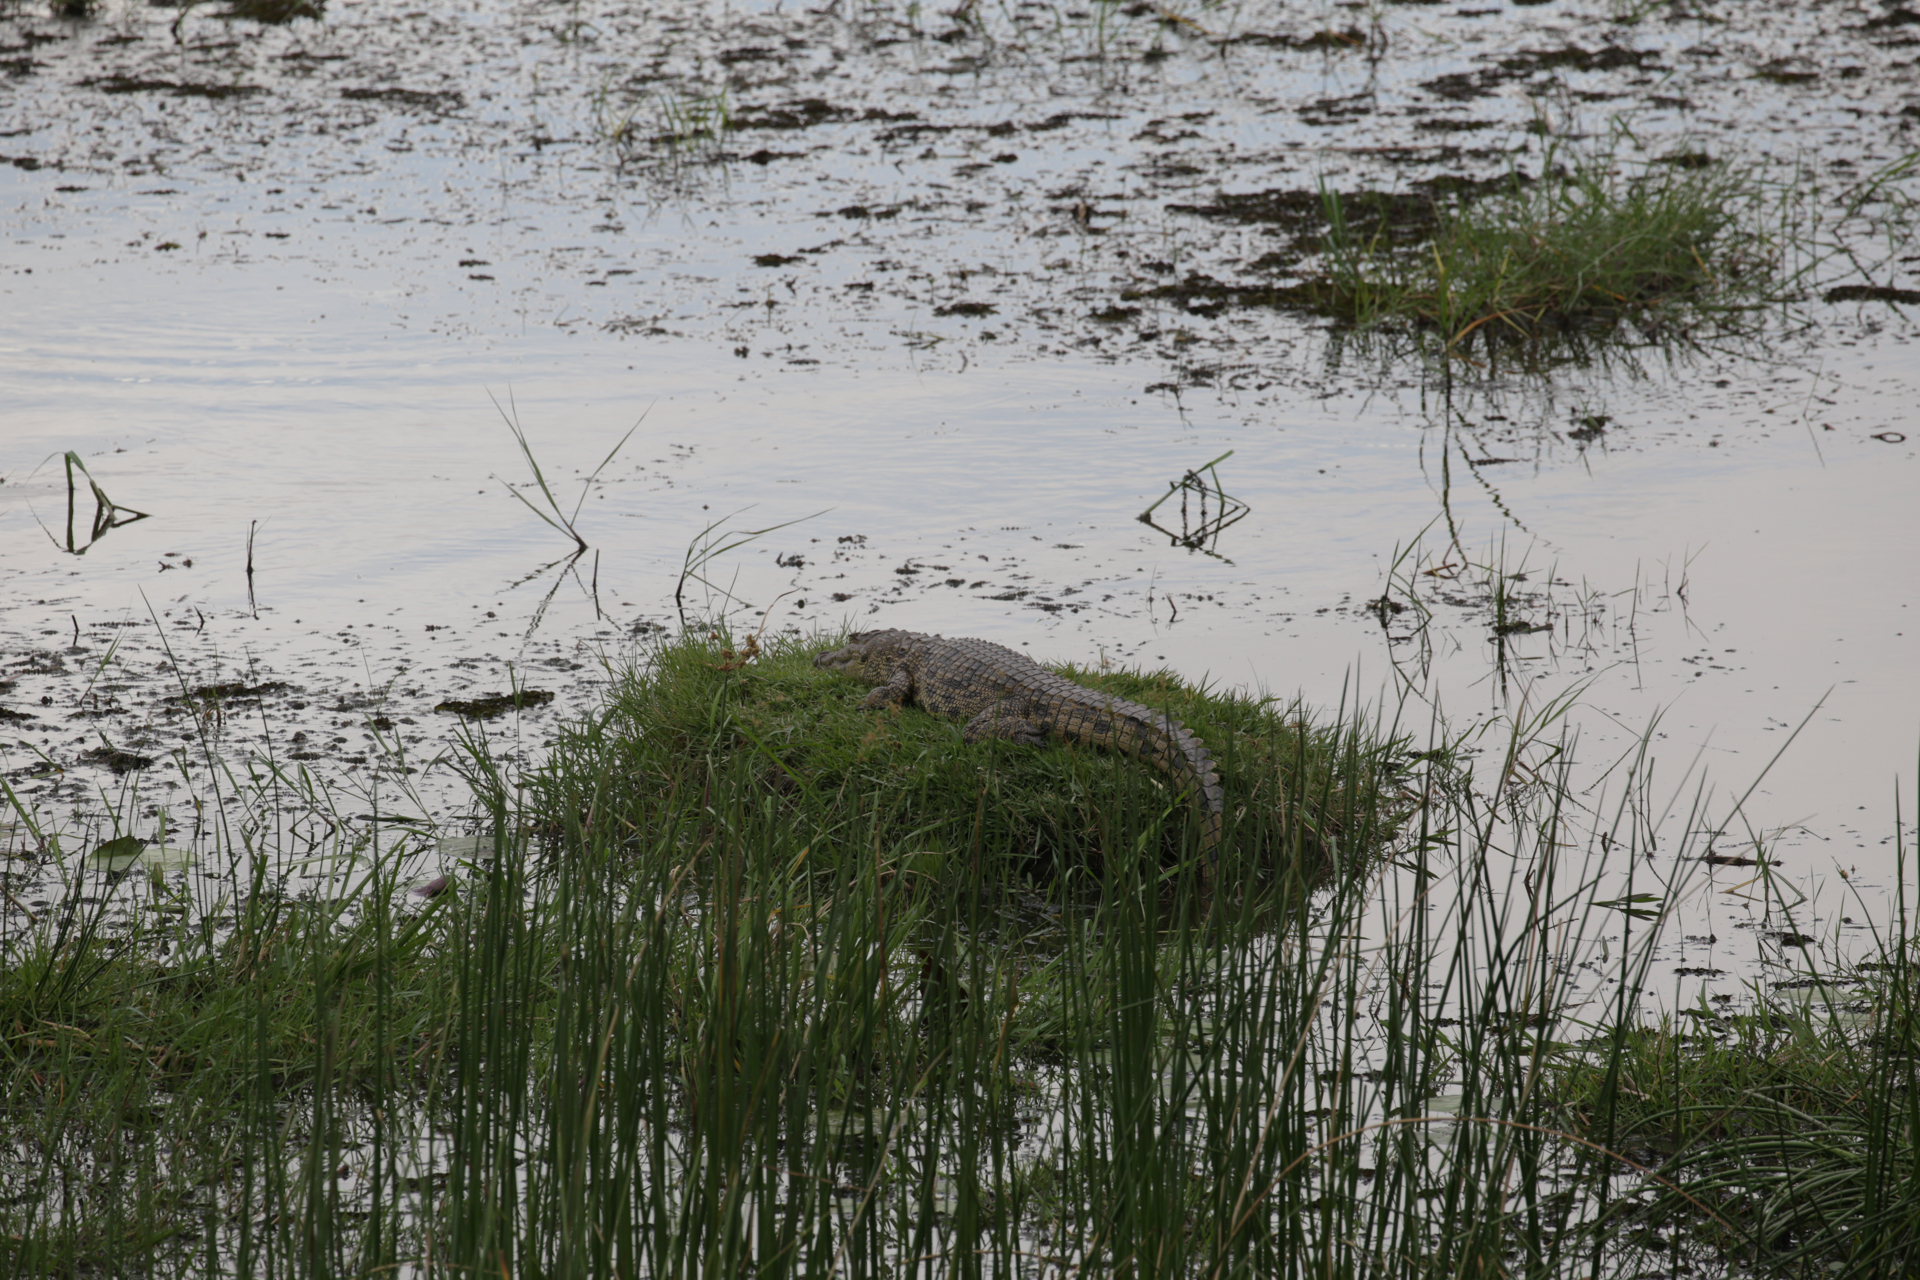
(1003, 694)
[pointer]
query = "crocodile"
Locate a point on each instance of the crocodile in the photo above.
(1003, 694)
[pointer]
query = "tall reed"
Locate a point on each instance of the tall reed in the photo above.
(701, 1016)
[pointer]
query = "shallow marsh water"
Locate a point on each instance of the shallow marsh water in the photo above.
(265, 279)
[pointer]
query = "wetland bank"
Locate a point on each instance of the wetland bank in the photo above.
(1526, 594)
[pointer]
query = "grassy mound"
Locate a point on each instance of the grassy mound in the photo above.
(700, 718)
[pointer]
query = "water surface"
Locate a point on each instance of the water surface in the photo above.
(277, 283)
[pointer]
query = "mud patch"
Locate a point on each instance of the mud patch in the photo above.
(178, 88)
(438, 101)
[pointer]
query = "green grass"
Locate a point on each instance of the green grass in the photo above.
(764, 983)
(142, 1061)
(1797, 1121)
(1594, 239)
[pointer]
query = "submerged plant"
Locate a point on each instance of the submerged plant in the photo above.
(684, 125)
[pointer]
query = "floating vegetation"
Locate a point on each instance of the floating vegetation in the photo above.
(126, 852)
(118, 854)
(1872, 293)
(231, 691)
(276, 13)
(467, 848)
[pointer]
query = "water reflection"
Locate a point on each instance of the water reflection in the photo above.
(1206, 509)
(107, 514)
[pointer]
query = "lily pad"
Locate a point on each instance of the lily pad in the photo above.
(169, 857)
(473, 848)
(117, 855)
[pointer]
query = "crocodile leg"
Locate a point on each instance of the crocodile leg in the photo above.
(1003, 721)
(896, 692)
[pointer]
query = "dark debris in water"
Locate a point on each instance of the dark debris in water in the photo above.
(1588, 427)
(276, 13)
(1202, 295)
(1872, 293)
(116, 759)
(1329, 41)
(1574, 58)
(439, 101)
(889, 133)
(489, 705)
(231, 691)
(178, 88)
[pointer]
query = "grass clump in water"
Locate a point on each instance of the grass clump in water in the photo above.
(1593, 240)
(1795, 1121)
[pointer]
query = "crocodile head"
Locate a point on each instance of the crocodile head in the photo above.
(868, 655)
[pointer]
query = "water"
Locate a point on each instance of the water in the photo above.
(421, 217)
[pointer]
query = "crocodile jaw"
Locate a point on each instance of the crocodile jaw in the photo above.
(865, 656)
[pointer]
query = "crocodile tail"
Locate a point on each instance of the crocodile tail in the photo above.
(1174, 748)
(1191, 763)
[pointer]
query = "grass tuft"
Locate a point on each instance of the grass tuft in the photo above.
(1796, 1120)
(1594, 240)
